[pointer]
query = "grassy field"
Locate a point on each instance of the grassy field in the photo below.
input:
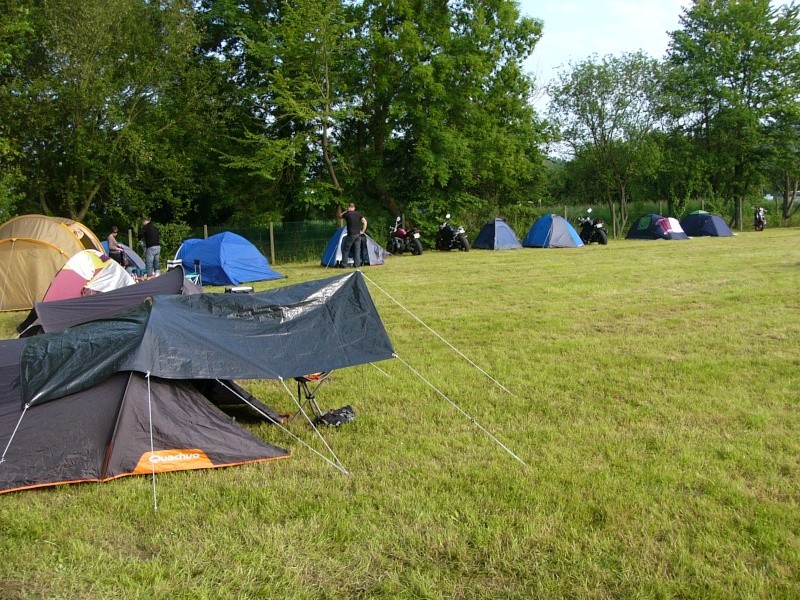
(654, 397)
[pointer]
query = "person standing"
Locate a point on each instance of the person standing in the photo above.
(115, 251)
(151, 237)
(356, 227)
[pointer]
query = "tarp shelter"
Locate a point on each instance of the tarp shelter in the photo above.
(497, 235)
(287, 332)
(226, 259)
(552, 231)
(88, 272)
(332, 257)
(61, 314)
(33, 248)
(283, 333)
(701, 223)
(656, 227)
(104, 432)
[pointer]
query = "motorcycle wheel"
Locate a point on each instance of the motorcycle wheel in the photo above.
(602, 237)
(416, 247)
(463, 242)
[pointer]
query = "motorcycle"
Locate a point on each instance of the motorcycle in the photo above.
(592, 230)
(403, 240)
(451, 237)
(760, 219)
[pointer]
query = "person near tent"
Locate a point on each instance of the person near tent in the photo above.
(356, 227)
(151, 237)
(115, 251)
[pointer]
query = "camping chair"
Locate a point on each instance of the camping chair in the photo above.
(309, 394)
(197, 276)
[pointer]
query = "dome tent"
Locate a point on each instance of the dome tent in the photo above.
(33, 248)
(552, 231)
(226, 259)
(497, 235)
(701, 223)
(332, 256)
(656, 227)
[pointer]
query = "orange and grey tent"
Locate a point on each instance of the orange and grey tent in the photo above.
(33, 248)
(105, 432)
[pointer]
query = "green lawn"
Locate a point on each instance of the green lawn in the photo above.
(654, 398)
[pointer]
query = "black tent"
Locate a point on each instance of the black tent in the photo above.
(283, 333)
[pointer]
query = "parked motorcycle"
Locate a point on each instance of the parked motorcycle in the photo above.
(403, 240)
(451, 237)
(592, 230)
(760, 218)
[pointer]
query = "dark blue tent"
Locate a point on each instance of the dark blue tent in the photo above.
(701, 223)
(656, 227)
(552, 231)
(375, 254)
(226, 259)
(497, 235)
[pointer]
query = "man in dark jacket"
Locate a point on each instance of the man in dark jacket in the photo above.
(151, 237)
(356, 227)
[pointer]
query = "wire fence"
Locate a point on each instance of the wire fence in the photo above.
(302, 241)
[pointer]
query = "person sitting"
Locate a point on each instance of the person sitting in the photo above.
(115, 250)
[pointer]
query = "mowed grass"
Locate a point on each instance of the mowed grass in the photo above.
(654, 398)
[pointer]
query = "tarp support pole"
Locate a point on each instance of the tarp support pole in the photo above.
(152, 447)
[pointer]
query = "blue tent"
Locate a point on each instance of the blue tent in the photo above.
(552, 231)
(497, 235)
(332, 257)
(656, 227)
(700, 223)
(226, 259)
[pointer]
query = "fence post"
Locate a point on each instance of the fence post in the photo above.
(205, 232)
(565, 213)
(130, 238)
(271, 244)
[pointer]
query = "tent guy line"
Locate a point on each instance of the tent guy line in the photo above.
(338, 463)
(284, 429)
(456, 350)
(461, 410)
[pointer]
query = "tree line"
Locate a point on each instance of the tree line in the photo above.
(252, 111)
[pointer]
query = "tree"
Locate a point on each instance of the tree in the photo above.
(15, 34)
(104, 105)
(303, 52)
(606, 112)
(734, 65)
(443, 117)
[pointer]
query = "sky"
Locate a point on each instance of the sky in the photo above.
(574, 30)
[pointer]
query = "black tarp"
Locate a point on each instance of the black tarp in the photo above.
(283, 333)
(61, 314)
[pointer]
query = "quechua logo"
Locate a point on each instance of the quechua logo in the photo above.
(176, 459)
